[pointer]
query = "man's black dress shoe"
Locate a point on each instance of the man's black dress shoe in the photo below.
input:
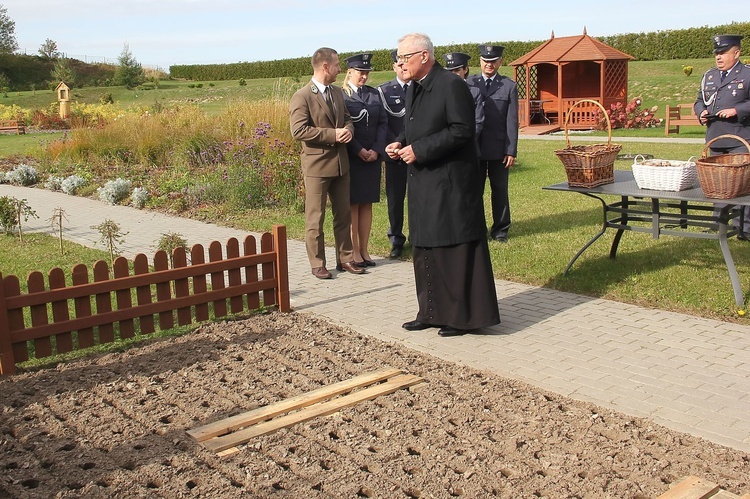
(367, 263)
(396, 251)
(450, 331)
(502, 239)
(415, 326)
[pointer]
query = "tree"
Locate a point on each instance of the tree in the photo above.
(63, 72)
(8, 42)
(49, 49)
(129, 71)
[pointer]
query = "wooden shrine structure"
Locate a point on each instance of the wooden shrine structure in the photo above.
(562, 71)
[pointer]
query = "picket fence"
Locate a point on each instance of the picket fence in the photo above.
(191, 289)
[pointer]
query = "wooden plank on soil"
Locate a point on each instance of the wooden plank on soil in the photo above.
(248, 418)
(691, 487)
(226, 442)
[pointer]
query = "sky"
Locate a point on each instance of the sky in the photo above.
(161, 33)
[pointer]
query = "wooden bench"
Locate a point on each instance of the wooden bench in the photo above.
(12, 126)
(681, 114)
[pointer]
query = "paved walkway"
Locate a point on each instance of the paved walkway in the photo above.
(686, 373)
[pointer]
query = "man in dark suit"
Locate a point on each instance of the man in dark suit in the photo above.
(498, 142)
(723, 104)
(452, 268)
(393, 96)
(318, 118)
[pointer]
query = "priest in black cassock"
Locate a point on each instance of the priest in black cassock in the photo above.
(452, 268)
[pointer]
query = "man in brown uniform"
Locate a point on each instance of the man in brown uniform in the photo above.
(319, 119)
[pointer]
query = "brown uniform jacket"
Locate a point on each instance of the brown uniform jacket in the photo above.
(311, 123)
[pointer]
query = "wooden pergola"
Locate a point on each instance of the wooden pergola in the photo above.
(562, 71)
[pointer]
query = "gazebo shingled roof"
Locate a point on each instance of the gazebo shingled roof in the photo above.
(569, 49)
(585, 69)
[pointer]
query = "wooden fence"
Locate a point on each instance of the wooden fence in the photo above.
(187, 288)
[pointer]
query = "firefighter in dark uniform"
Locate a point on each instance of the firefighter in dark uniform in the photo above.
(458, 63)
(498, 142)
(723, 103)
(393, 96)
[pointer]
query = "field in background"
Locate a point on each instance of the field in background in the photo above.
(657, 82)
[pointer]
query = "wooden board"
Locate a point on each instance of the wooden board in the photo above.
(221, 437)
(692, 487)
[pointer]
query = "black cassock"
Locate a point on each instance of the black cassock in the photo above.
(452, 268)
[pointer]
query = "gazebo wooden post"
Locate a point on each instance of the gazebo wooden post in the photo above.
(560, 110)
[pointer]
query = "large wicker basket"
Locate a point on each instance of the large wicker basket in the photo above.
(724, 176)
(665, 175)
(591, 165)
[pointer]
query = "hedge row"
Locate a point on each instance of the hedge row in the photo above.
(692, 43)
(27, 72)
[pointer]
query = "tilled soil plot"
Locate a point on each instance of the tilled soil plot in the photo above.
(115, 425)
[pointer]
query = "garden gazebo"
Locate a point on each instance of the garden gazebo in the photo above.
(562, 71)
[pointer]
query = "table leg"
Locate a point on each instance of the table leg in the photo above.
(739, 298)
(593, 239)
(624, 221)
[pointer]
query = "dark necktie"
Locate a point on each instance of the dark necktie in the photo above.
(487, 84)
(359, 92)
(406, 87)
(724, 75)
(329, 100)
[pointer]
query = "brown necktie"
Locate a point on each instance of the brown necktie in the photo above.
(329, 100)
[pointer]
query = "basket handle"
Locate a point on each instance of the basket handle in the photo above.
(691, 159)
(635, 160)
(725, 136)
(590, 101)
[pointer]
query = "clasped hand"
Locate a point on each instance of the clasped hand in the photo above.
(405, 154)
(343, 135)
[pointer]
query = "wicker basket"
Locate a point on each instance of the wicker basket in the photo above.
(724, 176)
(592, 165)
(665, 175)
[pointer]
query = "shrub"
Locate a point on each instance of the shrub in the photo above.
(242, 82)
(71, 184)
(22, 174)
(139, 197)
(107, 98)
(688, 70)
(7, 214)
(630, 116)
(169, 242)
(3, 180)
(53, 183)
(114, 191)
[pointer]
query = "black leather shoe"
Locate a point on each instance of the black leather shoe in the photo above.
(415, 326)
(396, 251)
(502, 239)
(367, 263)
(450, 331)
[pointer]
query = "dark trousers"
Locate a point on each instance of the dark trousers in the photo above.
(395, 191)
(498, 174)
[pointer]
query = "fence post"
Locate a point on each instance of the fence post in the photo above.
(7, 360)
(282, 268)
